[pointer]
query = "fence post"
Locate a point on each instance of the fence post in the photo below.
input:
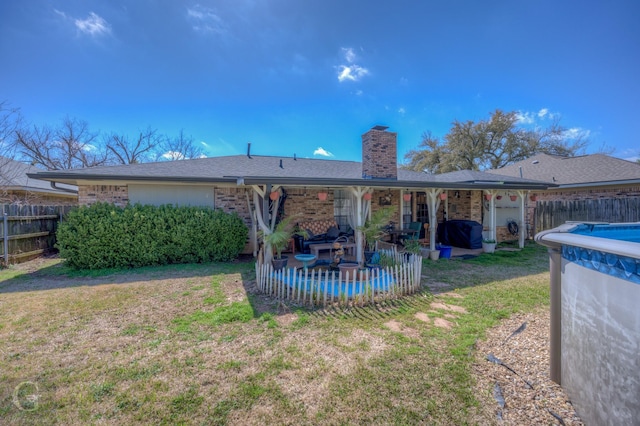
(5, 238)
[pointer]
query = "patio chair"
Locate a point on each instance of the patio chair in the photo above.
(413, 232)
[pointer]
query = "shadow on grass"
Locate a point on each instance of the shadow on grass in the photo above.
(56, 275)
(508, 262)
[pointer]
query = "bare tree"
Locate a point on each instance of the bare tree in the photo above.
(126, 150)
(69, 146)
(10, 120)
(180, 148)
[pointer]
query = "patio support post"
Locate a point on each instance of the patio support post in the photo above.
(434, 205)
(401, 209)
(265, 225)
(522, 226)
(265, 203)
(492, 214)
(359, 192)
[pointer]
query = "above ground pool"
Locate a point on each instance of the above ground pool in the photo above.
(595, 320)
(620, 232)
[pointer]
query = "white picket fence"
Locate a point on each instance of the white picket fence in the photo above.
(327, 288)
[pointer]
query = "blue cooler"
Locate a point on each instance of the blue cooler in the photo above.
(445, 252)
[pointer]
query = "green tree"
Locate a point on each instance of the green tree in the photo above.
(490, 144)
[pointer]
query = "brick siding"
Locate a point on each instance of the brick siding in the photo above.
(115, 194)
(379, 155)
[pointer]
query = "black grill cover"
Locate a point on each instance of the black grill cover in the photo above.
(460, 233)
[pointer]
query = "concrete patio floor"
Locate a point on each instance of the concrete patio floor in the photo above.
(324, 255)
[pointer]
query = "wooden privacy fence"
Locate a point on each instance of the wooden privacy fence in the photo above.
(325, 288)
(28, 231)
(550, 214)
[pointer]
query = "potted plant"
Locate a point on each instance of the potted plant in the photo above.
(412, 247)
(489, 245)
(373, 229)
(279, 238)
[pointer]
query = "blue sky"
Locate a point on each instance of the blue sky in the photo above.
(309, 77)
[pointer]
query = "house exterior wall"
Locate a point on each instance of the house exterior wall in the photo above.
(305, 205)
(115, 194)
(234, 200)
(467, 206)
(31, 198)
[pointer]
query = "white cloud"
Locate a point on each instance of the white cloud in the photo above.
(205, 20)
(576, 133)
(349, 54)
(322, 152)
(61, 13)
(527, 117)
(94, 25)
(402, 111)
(353, 71)
(173, 155)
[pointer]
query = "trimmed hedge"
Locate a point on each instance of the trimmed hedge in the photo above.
(105, 236)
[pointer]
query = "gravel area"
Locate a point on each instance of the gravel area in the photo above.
(528, 396)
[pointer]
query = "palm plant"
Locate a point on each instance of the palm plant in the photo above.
(373, 228)
(280, 236)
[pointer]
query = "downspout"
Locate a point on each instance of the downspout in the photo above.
(57, 188)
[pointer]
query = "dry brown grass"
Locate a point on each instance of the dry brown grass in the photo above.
(143, 347)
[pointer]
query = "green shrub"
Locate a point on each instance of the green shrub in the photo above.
(106, 236)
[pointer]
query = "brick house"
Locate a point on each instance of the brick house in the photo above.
(311, 189)
(587, 177)
(18, 188)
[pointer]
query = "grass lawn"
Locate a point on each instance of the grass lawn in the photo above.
(195, 344)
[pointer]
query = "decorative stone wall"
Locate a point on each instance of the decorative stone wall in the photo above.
(115, 194)
(379, 155)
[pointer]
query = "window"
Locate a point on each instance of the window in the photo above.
(342, 209)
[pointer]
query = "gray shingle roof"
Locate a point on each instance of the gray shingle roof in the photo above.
(476, 176)
(588, 169)
(13, 175)
(254, 168)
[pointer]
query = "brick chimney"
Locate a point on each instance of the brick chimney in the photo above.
(379, 154)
